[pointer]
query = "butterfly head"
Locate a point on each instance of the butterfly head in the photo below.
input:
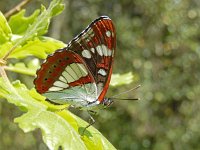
(107, 102)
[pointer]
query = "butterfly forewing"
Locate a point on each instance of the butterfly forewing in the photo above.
(96, 45)
(62, 70)
(80, 72)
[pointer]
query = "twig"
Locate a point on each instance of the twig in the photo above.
(2, 62)
(8, 53)
(7, 15)
(16, 8)
(3, 74)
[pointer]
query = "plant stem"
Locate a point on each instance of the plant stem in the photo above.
(4, 76)
(16, 8)
(8, 53)
(7, 15)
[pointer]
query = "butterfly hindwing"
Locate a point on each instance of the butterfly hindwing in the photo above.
(62, 70)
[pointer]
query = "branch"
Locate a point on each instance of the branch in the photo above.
(8, 53)
(16, 8)
(4, 75)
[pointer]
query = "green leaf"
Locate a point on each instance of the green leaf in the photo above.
(19, 24)
(57, 132)
(4, 48)
(20, 67)
(41, 23)
(58, 9)
(29, 43)
(37, 47)
(5, 31)
(121, 79)
(59, 128)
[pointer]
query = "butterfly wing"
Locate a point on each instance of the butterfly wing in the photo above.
(96, 45)
(81, 72)
(64, 78)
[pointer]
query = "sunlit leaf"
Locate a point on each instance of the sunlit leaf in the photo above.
(56, 131)
(4, 48)
(37, 47)
(59, 128)
(120, 79)
(5, 31)
(41, 22)
(57, 9)
(19, 23)
(22, 68)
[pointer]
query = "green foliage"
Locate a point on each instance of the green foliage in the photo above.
(26, 44)
(38, 47)
(19, 24)
(118, 79)
(158, 41)
(20, 67)
(5, 31)
(59, 127)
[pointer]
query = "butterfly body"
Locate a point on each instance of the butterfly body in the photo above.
(80, 73)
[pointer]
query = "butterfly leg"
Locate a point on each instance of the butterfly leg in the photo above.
(91, 121)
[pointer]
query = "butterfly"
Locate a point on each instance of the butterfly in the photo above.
(80, 73)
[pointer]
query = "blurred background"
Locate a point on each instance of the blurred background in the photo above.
(159, 42)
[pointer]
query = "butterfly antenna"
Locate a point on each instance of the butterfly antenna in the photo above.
(115, 96)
